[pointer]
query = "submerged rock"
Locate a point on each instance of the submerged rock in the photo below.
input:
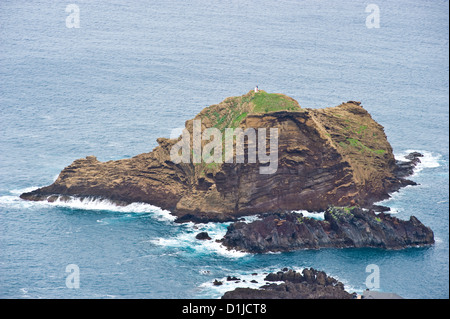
(310, 284)
(343, 227)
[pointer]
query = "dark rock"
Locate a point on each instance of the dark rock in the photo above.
(379, 208)
(414, 156)
(342, 228)
(311, 284)
(229, 278)
(406, 168)
(217, 283)
(203, 236)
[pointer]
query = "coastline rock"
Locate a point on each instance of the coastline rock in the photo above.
(229, 278)
(342, 228)
(310, 284)
(406, 168)
(332, 156)
(203, 236)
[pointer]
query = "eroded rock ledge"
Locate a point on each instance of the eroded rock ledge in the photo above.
(342, 228)
(309, 284)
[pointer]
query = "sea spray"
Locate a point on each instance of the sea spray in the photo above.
(428, 160)
(185, 240)
(87, 203)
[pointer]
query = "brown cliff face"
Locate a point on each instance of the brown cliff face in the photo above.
(334, 156)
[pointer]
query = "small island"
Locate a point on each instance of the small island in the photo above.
(334, 159)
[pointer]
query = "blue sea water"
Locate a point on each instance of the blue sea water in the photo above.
(135, 70)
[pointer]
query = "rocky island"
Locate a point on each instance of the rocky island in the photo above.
(309, 284)
(343, 227)
(335, 156)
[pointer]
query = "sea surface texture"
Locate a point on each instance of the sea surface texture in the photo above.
(137, 70)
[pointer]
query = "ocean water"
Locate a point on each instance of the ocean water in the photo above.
(135, 71)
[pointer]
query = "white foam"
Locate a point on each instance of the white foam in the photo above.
(246, 278)
(107, 205)
(23, 190)
(104, 204)
(187, 231)
(318, 216)
(429, 159)
(186, 240)
(395, 210)
(16, 202)
(250, 219)
(86, 204)
(395, 197)
(244, 282)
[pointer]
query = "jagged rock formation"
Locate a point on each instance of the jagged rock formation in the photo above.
(310, 284)
(342, 228)
(333, 156)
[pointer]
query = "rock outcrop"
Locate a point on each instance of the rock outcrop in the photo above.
(203, 236)
(333, 156)
(342, 228)
(310, 284)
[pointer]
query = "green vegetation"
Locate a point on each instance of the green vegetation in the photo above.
(378, 219)
(361, 129)
(348, 210)
(211, 166)
(353, 133)
(270, 102)
(234, 110)
(361, 147)
(341, 211)
(238, 108)
(342, 144)
(302, 219)
(235, 122)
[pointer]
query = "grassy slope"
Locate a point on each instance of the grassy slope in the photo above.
(264, 102)
(356, 135)
(231, 112)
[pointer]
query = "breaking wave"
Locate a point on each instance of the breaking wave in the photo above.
(88, 203)
(429, 159)
(185, 239)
